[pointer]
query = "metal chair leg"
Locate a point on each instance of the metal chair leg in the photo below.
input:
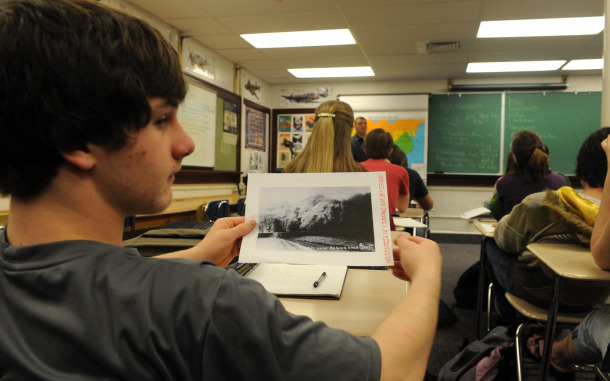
(489, 301)
(518, 352)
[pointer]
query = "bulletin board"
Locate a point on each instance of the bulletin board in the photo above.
(197, 115)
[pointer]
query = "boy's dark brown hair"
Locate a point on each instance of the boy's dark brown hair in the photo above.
(74, 72)
(378, 144)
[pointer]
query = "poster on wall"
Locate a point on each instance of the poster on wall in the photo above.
(304, 97)
(255, 129)
(294, 131)
(229, 125)
(255, 162)
(230, 117)
(409, 130)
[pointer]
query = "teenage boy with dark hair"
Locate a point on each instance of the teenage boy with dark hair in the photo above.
(88, 102)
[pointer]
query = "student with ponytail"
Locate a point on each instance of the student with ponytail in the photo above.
(329, 148)
(532, 173)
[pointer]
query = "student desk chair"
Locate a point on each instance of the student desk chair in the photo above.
(216, 209)
(241, 206)
(367, 299)
(567, 261)
(487, 230)
(420, 215)
(535, 313)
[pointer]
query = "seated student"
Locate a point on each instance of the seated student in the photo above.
(495, 206)
(378, 145)
(563, 214)
(329, 147)
(532, 173)
(90, 135)
(417, 187)
(590, 340)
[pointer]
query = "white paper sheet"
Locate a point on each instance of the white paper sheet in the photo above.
(318, 218)
(283, 279)
(406, 222)
(475, 212)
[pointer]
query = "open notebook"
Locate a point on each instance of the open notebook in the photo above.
(298, 280)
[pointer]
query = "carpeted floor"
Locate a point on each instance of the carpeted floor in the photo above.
(457, 257)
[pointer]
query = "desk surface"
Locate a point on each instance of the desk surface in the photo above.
(413, 213)
(180, 209)
(569, 260)
(191, 204)
(486, 227)
(367, 299)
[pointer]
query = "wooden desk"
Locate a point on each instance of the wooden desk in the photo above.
(3, 217)
(567, 261)
(415, 213)
(180, 210)
(367, 299)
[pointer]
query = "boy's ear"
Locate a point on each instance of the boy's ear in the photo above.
(82, 159)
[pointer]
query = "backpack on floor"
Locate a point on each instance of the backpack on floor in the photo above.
(490, 358)
(467, 286)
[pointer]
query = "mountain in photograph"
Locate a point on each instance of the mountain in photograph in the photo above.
(320, 216)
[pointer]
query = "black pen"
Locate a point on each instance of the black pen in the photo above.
(317, 283)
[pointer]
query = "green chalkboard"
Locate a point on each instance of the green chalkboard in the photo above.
(464, 133)
(563, 120)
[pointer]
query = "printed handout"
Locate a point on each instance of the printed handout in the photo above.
(318, 218)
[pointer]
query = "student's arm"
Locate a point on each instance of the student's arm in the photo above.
(405, 337)
(402, 203)
(600, 239)
(220, 245)
(426, 202)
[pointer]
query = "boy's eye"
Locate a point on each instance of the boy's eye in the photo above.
(161, 121)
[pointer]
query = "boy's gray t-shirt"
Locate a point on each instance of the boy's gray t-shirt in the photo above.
(87, 310)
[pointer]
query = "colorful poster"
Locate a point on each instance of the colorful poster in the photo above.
(310, 119)
(284, 123)
(255, 129)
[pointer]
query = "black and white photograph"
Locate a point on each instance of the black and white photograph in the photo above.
(316, 218)
(324, 218)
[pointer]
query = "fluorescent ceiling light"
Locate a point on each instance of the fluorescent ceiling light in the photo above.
(585, 64)
(328, 72)
(297, 39)
(541, 27)
(496, 67)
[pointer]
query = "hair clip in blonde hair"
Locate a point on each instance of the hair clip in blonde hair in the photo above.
(322, 114)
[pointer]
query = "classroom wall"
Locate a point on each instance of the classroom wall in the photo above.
(450, 202)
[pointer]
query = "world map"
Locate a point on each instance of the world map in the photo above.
(408, 134)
